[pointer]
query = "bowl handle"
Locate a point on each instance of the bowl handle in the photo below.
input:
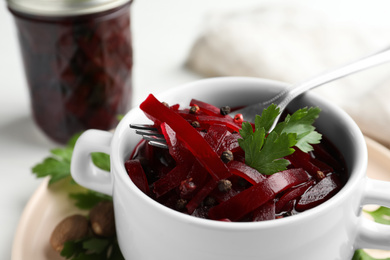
(84, 172)
(370, 234)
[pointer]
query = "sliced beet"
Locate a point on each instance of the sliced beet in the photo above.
(137, 175)
(201, 195)
(292, 194)
(206, 107)
(255, 196)
(215, 136)
(206, 120)
(264, 212)
(245, 171)
(302, 160)
(176, 148)
(325, 168)
(319, 193)
(171, 180)
(195, 143)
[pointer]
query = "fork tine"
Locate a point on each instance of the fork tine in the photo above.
(154, 138)
(148, 132)
(158, 144)
(143, 127)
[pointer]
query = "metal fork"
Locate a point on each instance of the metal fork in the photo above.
(282, 99)
(286, 96)
(150, 134)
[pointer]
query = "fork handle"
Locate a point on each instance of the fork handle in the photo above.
(369, 61)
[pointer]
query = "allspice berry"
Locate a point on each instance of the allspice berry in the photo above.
(224, 185)
(195, 124)
(181, 204)
(224, 110)
(194, 109)
(102, 219)
(71, 228)
(227, 156)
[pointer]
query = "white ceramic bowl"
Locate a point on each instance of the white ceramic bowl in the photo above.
(148, 230)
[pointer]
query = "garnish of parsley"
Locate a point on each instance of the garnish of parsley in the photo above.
(57, 168)
(264, 150)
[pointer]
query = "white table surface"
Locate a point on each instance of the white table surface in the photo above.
(163, 32)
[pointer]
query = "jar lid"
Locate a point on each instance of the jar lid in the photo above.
(63, 7)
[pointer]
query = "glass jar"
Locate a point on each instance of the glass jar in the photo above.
(77, 57)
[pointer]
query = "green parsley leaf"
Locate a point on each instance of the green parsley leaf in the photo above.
(301, 123)
(97, 245)
(360, 254)
(116, 253)
(92, 248)
(72, 248)
(265, 152)
(57, 165)
(101, 160)
(267, 117)
(87, 200)
(380, 215)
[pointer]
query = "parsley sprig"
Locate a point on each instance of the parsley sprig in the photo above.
(92, 249)
(57, 168)
(265, 151)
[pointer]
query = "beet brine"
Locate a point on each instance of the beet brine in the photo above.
(223, 168)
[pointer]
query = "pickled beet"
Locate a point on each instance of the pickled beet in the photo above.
(319, 193)
(255, 196)
(137, 175)
(198, 181)
(78, 69)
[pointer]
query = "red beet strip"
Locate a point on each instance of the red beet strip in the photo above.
(302, 160)
(201, 195)
(176, 149)
(188, 134)
(245, 171)
(255, 196)
(319, 193)
(171, 180)
(206, 107)
(137, 175)
(264, 212)
(292, 194)
(212, 120)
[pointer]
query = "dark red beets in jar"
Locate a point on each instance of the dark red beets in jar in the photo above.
(78, 68)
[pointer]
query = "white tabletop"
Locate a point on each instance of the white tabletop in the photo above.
(163, 32)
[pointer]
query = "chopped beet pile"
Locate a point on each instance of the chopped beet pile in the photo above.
(204, 174)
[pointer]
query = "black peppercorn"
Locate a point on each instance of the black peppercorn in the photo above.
(227, 156)
(195, 124)
(224, 185)
(224, 110)
(181, 204)
(210, 201)
(194, 109)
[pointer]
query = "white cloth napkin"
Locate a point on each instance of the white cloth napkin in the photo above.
(293, 41)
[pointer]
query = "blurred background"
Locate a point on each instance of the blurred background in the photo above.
(175, 42)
